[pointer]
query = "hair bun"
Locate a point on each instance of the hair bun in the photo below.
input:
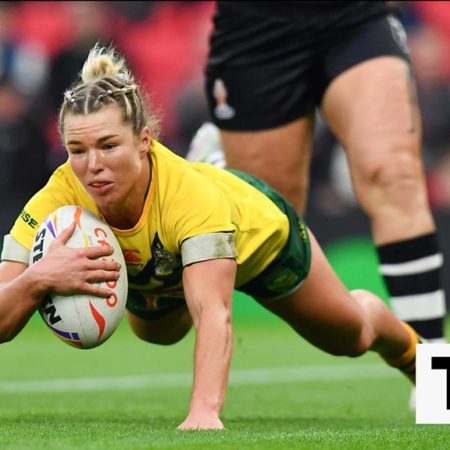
(105, 62)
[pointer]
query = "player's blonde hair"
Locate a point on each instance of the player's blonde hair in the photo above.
(105, 79)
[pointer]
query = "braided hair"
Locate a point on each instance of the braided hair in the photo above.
(105, 79)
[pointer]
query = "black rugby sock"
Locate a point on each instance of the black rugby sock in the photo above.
(412, 272)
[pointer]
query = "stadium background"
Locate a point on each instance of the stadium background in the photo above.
(42, 47)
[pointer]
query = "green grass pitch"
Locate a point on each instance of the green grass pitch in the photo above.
(126, 394)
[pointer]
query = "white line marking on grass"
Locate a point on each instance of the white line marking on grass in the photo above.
(238, 377)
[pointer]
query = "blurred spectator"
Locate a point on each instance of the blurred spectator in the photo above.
(132, 11)
(22, 62)
(430, 46)
(23, 148)
(191, 112)
(167, 50)
(42, 44)
(429, 57)
(23, 153)
(45, 25)
(436, 15)
(90, 24)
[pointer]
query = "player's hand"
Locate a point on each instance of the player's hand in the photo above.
(66, 270)
(201, 422)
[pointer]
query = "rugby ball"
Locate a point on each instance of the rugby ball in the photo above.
(81, 320)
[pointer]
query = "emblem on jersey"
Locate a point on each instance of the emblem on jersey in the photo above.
(303, 232)
(398, 33)
(162, 273)
(222, 110)
(164, 262)
(282, 280)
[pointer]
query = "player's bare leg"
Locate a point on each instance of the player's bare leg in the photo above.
(372, 109)
(373, 112)
(165, 330)
(326, 314)
(279, 156)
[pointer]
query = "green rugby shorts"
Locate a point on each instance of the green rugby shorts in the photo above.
(287, 271)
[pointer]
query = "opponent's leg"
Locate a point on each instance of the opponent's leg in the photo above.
(373, 111)
(325, 313)
(279, 156)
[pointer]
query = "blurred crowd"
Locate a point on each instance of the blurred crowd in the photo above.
(43, 46)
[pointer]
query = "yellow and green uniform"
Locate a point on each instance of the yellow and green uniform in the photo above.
(193, 212)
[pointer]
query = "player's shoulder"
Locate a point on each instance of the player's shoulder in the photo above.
(181, 184)
(161, 153)
(173, 169)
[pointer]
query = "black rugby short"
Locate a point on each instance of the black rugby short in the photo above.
(264, 72)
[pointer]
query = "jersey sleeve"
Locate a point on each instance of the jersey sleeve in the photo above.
(201, 221)
(57, 192)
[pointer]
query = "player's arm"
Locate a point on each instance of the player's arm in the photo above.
(15, 306)
(63, 270)
(208, 288)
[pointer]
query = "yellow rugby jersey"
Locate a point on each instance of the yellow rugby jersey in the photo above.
(187, 204)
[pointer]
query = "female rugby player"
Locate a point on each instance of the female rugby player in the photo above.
(196, 232)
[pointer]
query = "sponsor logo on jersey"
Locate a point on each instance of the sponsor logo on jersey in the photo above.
(26, 217)
(222, 110)
(132, 256)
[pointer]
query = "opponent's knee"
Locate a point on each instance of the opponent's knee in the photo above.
(397, 181)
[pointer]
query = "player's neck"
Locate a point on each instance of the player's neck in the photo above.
(126, 215)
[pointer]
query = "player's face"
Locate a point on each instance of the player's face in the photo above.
(107, 157)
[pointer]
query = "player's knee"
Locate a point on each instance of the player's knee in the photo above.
(161, 338)
(157, 331)
(396, 177)
(363, 337)
(356, 342)
(360, 345)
